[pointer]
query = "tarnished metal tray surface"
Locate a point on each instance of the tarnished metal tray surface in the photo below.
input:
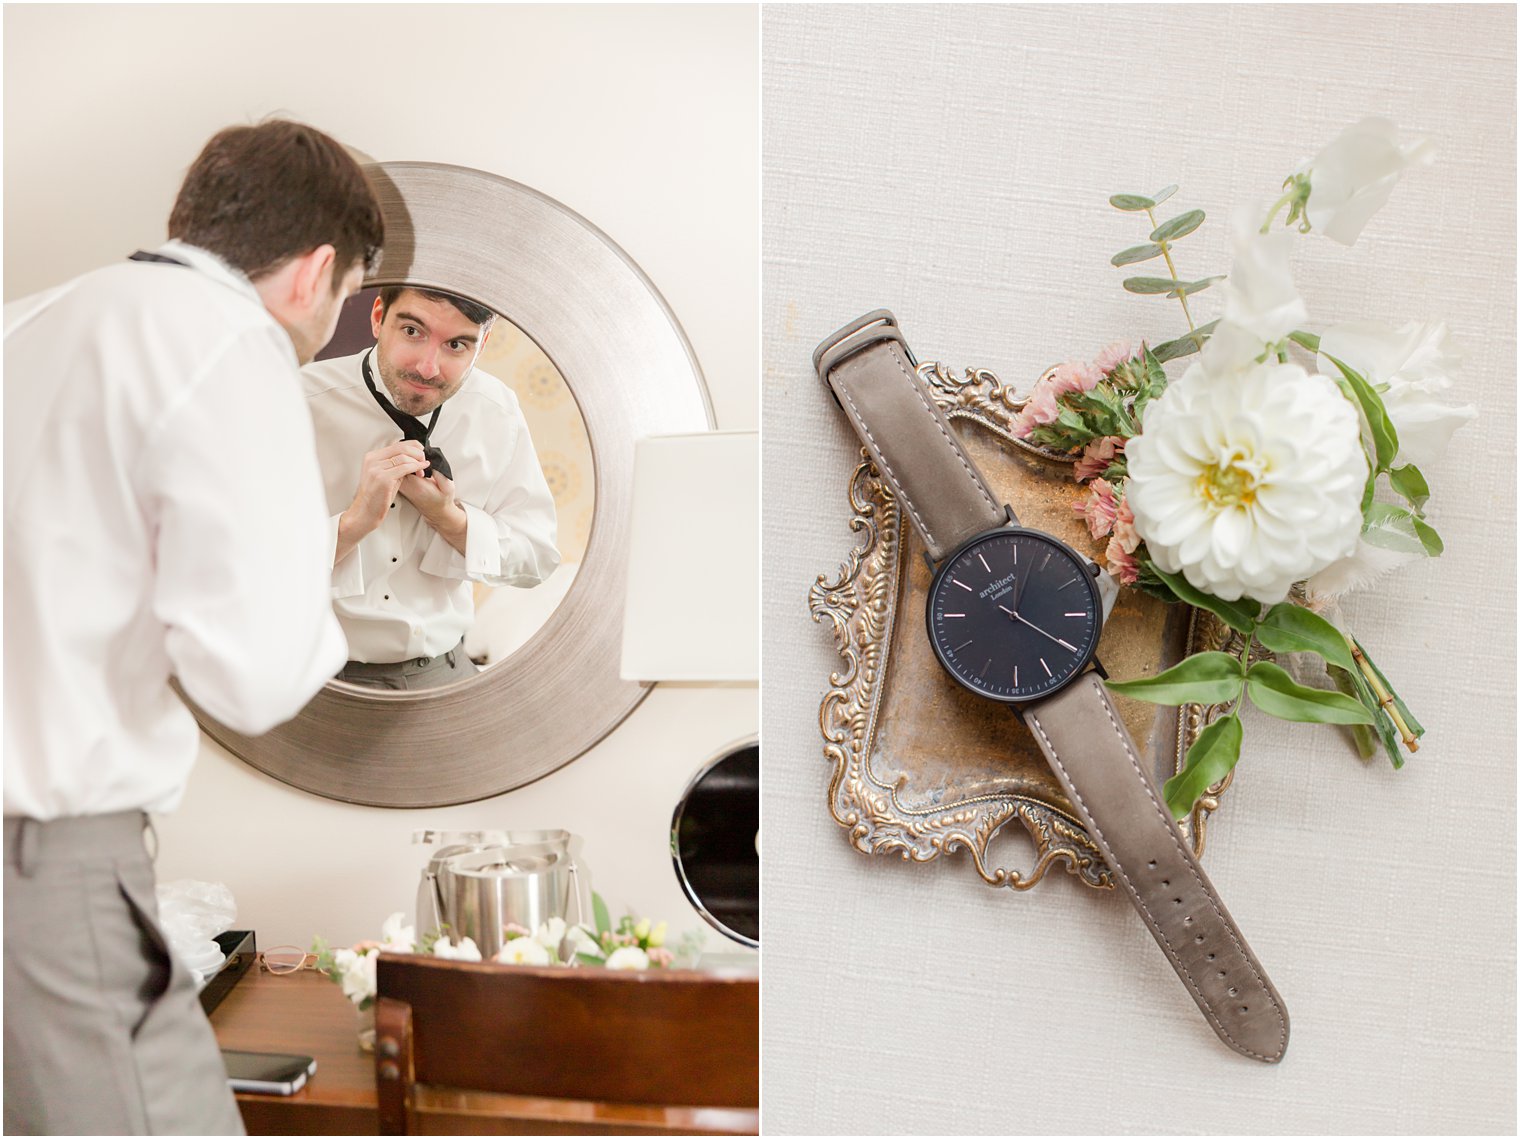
(922, 767)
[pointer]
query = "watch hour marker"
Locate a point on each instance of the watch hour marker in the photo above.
(952, 614)
(983, 674)
(958, 648)
(1074, 614)
(1015, 676)
(1047, 669)
(1073, 581)
(1046, 562)
(963, 585)
(983, 560)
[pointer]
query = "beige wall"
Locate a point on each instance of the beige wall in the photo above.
(645, 120)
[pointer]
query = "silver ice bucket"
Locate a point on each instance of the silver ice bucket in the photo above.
(525, 878)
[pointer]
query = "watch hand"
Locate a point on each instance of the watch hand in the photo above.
(1042, 632)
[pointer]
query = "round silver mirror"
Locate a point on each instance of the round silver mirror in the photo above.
(715, 840)
(606, 330)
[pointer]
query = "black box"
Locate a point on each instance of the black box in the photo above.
(241, 949)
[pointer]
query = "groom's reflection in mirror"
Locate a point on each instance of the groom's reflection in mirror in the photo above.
(432, 485)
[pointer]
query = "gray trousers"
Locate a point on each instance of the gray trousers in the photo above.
(413, 673)
(104, 1034)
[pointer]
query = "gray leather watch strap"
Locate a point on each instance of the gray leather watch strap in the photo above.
(1081, 734)
(868, 367)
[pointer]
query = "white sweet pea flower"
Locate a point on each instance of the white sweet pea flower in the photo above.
(523, 951)
(466, 950)
(1414, 364)
(1247, 481)
(1352, 177)
(358, 973)
(628, 957)
(1259, 295)
(551, 934)
(582, 941)
(397, 937)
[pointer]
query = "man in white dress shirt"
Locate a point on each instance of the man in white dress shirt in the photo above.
(163, 518)
(433, 485)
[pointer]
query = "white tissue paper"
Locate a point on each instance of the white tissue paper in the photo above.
(191, 914)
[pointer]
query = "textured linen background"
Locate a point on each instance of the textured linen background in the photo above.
(953, 164)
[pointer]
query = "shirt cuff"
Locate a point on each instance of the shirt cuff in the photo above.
(348, 575)
(481, 559)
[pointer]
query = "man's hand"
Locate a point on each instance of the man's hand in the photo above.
(435, 501)
(380, 477)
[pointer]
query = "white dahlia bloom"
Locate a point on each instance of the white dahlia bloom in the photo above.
(523, 951)
(1247, 481)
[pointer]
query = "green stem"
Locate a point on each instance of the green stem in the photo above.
(1166, 251)
(1384, 697)
(1277, 206)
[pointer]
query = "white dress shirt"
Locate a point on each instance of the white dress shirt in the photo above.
(404, 592)
(163, 516)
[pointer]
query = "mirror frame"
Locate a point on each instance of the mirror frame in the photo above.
(632, 373)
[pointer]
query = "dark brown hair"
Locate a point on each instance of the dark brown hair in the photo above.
(258, 196)
(474, 313)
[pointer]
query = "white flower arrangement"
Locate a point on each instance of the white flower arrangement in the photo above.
(632, 944)
(1260, 486)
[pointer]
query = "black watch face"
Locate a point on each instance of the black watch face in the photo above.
(1014, 614)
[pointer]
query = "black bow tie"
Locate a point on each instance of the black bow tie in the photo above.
(161, 258)
(410, 426)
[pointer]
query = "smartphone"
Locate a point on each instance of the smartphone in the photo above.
(274, 1073)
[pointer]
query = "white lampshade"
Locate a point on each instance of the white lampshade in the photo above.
(694, 559)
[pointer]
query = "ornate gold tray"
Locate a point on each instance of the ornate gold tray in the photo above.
(922, 767)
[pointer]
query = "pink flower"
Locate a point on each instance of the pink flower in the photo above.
(1124, 527)
(1041, 409)
(1121, 561)
(1074, 376)
(660, 958)
(1112, 356)
(1099, 508)
(1097, 455)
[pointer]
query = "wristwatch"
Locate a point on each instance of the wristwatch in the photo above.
(1015, 615)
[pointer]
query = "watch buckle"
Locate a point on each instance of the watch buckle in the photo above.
(859, 334)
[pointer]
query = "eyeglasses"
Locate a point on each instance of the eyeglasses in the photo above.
(287, 959)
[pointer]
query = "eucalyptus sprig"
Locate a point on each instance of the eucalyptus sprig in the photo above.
(1160, 245)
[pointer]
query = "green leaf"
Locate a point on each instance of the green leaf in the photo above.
(1131, 203)
(1411, 485)
(1239, 615)
(1273, 691)
(1381, 724)
(1179, 226)
(1392, 527)
(1151, 286)
(1162, 195)
(1188, 288)
(1289, 628)
(1203, 678)
(588, 959)
(1184, 345)
(1384, 437)
(599, 911)
(1363, 735)
(1305, 340)
(1136, 253)
(1213, 755)
(1434, 547)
